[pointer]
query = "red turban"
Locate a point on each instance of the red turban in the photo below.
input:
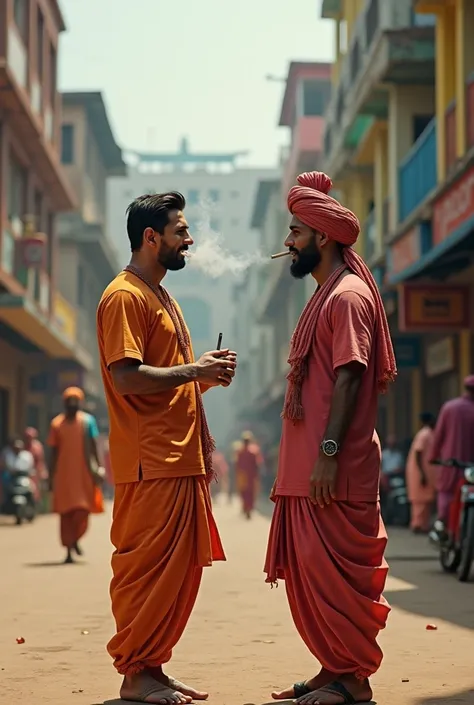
(310, 203)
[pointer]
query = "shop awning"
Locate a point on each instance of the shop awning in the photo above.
(23, 316)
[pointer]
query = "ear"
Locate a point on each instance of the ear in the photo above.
(149, 237)
(323, 239)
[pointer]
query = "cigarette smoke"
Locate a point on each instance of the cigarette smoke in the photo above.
(210, 255)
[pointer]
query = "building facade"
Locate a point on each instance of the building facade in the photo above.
(400, 143)
(33, 190)
(278, 299)
(219, 195)
(88, 260)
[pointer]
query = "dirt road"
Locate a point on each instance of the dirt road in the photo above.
(240, 643)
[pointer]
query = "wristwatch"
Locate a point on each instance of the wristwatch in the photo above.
(329, 448)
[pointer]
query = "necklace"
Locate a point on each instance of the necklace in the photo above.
(184, 342)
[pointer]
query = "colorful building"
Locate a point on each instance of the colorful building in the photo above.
(37, 328)
(400, 143)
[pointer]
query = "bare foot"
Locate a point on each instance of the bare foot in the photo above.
(346, 690)
(322, 678)
(143, 688)
(171, 682)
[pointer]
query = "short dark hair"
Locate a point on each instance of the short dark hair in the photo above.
(151, 211)
(426, 417)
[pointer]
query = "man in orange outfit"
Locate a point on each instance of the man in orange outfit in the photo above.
(161, 453)
(73, 442)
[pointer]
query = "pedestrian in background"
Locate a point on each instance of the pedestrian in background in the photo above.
(75, 472)
(421, 476)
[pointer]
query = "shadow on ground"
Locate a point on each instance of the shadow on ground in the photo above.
(464, 697)
(53, 564)
(430, 592)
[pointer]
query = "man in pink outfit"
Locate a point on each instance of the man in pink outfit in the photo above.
(453, 439)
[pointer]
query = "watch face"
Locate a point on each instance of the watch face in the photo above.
(330, 448)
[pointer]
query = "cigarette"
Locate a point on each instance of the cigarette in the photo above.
(219, 341)
(281, 254)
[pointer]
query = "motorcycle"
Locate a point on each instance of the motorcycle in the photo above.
(455, 541)
(19, 497)
(394, 500)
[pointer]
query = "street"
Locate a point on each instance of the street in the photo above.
(240, 643)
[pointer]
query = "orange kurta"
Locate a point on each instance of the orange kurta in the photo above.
(163, 530)
(73, 486)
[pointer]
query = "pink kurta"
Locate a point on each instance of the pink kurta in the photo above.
(417, 493)
(453, 438)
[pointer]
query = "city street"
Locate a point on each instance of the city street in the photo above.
(240, 643)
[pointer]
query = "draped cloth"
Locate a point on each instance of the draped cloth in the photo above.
(311, 204)
(332, 562)
(164, 535)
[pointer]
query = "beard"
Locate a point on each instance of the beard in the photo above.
(307, 261)
(172, 260)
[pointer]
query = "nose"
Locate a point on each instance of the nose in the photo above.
(188, 240)
(290, 240)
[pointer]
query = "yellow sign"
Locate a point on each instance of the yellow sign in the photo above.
(65, 318)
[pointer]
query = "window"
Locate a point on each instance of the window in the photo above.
(193, 197)
(214, 195)
(234, 222)
(16, 190)
(20, 13)
(197, 314)
(234, 194)
(67, 144)
(52, 75)
(420, 123)
(40, 44)
(315, 97)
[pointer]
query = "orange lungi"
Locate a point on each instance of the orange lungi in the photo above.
(332, 562)
(164, 534)
(73, 525)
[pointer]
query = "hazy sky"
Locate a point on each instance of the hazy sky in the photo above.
(191, 67)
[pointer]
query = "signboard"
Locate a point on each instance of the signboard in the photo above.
(65, 318)
(405, 251)
(32, 251)
(440, 357)
(407, 352)
(423, 307)
(454, 208)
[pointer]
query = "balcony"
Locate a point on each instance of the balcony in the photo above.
(450, 128)
(417, 173)
(370, 236)
(388, 46)
(470, 110)
(36, 124)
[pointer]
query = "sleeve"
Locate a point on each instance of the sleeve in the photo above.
(53, 439)
(353, 325)
(438, 436)
(93, 428)
(123, 324)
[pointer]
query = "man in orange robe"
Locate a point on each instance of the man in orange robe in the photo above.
(163, 530)
(73, 440)
(249, 463)
(327, 539)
